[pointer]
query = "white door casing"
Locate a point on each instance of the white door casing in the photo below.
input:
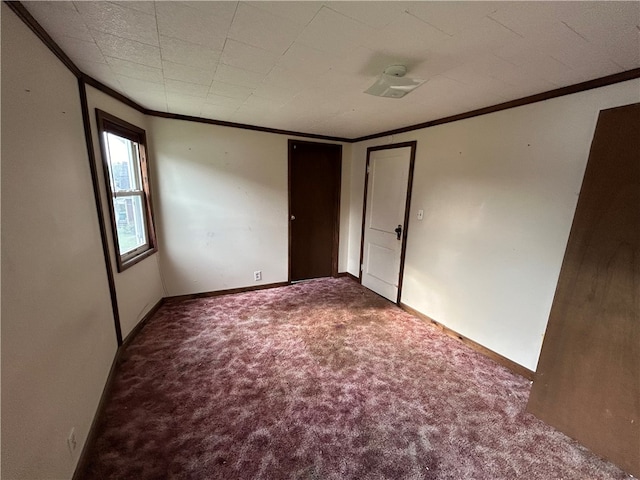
(385, 210)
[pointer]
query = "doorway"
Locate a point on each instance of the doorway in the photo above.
(315, 171)
(387, 194)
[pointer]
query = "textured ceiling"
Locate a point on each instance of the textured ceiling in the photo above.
(304, 66)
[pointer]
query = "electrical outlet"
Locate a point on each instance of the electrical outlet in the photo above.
(257, 275)
(71, 441)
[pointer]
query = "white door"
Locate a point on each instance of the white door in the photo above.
(384, 228)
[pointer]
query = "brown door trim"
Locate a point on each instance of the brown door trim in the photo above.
(413, 144)
(336, 202)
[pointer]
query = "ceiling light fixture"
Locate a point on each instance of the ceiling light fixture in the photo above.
(392, 83)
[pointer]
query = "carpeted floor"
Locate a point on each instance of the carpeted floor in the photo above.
(320, 380)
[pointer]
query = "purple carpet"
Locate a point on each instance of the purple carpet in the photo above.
(319, 380)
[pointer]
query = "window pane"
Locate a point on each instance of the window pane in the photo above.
(124, 164)
(129, 222)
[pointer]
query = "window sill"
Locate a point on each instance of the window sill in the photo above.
(122, 266)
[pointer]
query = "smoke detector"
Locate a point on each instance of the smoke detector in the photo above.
(392, 83)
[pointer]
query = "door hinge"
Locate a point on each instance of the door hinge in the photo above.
(368, 168)
(362, 267)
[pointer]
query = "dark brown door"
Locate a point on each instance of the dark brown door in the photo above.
(314, 203)
(588, 379)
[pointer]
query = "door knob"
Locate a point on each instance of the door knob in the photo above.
(293, 217)
(398, 231)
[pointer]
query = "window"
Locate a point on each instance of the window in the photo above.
(124, 148)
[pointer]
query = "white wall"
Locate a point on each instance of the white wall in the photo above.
(222, 206)
(139, 287)
(345, 209)
(498, 193)
(58, 338)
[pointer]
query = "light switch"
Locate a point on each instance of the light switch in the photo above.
(420, 214)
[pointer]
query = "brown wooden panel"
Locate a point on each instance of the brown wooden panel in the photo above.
(314, 200)
(588, 379)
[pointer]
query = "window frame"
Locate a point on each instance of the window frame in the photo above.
(108, 123)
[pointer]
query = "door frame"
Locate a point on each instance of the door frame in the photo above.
(336, 202)
(403, 249)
